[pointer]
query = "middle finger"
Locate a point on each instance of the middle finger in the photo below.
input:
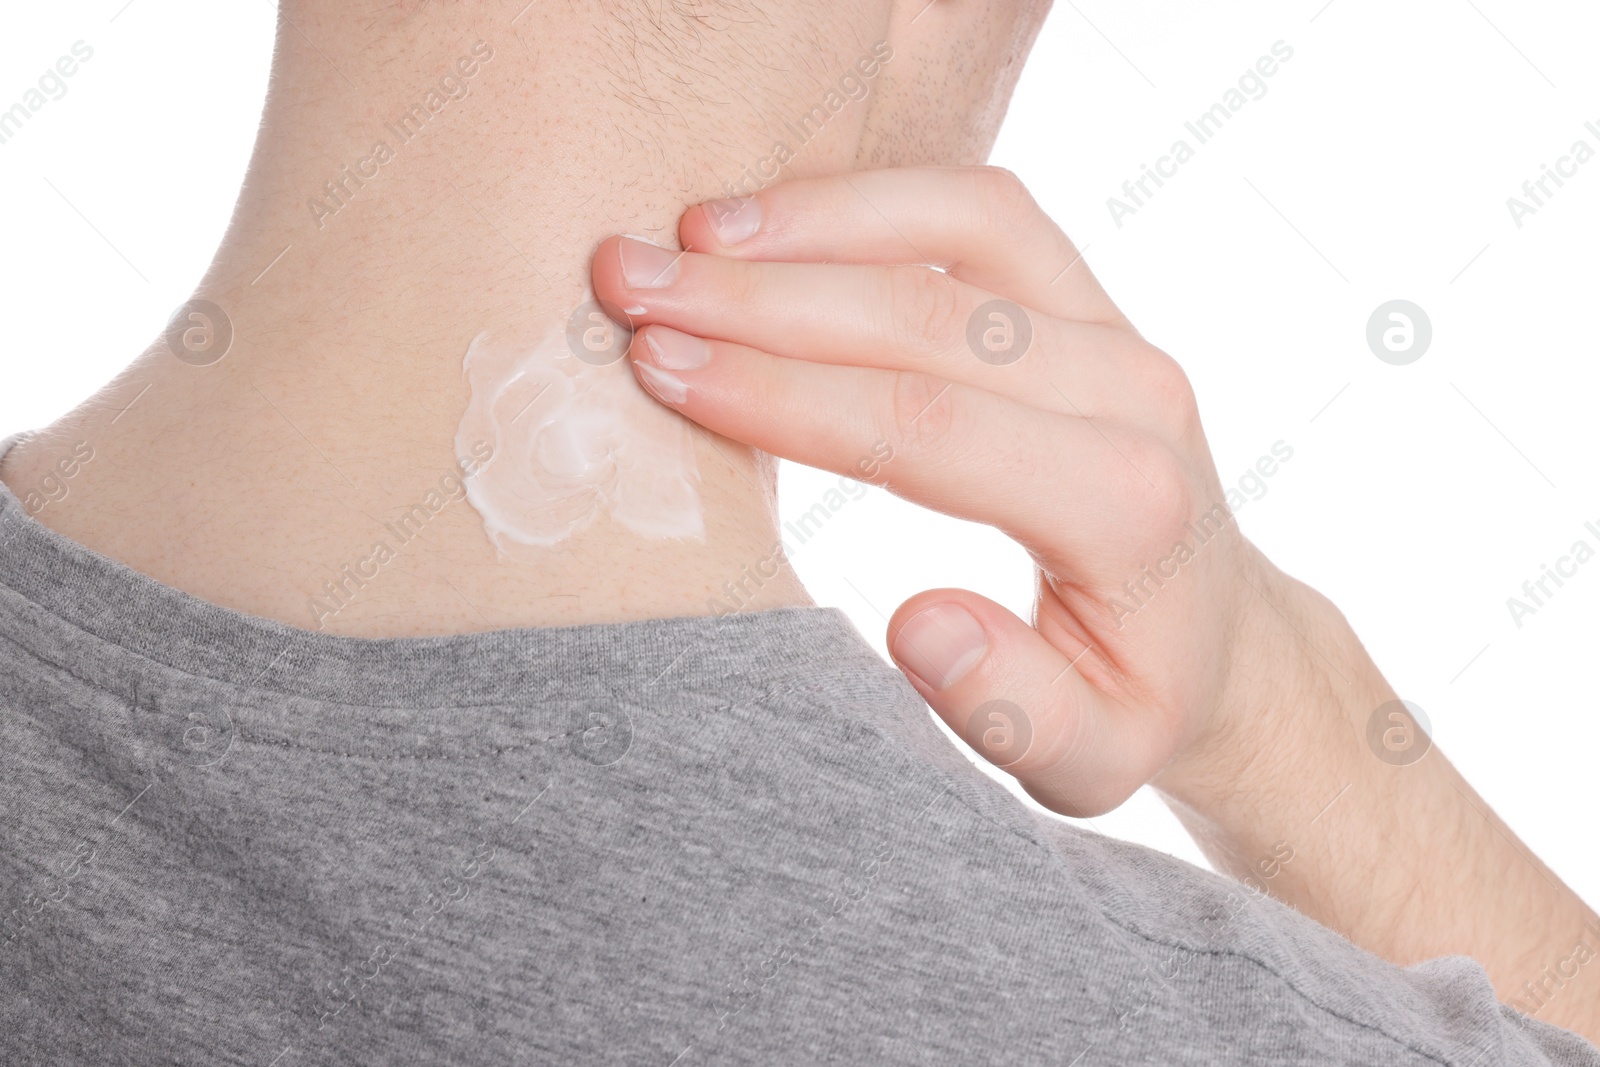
(888, 317)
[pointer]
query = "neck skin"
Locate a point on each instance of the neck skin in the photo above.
(254, 482)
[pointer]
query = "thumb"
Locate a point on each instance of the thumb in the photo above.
(1020, 702)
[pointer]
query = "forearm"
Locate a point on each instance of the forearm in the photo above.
(1402, 857)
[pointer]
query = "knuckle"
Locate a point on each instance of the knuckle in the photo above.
(924, 309)
(1171, 498)
(1003, 197)
(1154, 485)
(921, 412)
(739, 283)
(1167, 392)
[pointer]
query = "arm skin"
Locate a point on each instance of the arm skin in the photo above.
(807, 322)
(1404, 859)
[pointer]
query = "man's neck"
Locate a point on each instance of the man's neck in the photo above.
(426, 176)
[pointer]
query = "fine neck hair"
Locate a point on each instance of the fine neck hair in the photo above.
(427, 173)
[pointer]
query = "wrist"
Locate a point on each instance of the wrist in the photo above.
(1289, 726)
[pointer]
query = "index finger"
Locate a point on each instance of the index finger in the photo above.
(979, 223)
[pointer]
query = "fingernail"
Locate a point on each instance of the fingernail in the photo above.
(941, 645)
(648, 266)
(676, 350)
(734, 220)
(668, 388)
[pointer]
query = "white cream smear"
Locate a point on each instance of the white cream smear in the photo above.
(572, 441)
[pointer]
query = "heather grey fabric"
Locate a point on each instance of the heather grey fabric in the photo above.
(681, 842)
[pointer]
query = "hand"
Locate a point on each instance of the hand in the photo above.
(811, 323)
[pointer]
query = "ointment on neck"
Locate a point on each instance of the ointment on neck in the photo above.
(574, 439)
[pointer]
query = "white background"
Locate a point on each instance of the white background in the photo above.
(1377, 166)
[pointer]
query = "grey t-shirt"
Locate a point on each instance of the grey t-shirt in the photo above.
(672, 843)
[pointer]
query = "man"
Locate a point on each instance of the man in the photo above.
(308, 757)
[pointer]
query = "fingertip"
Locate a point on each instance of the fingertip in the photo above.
(988, 614)
(624, 317)
(663, 385)
(605, 277)
(694, 230)
(938, 641)
(671, 349)
(721, 225)
(1001, 687)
